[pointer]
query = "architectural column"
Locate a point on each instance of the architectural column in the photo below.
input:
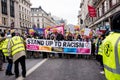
(17, 22)
(8, 11)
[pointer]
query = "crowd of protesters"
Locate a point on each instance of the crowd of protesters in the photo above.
(95, 42)
(60, 37)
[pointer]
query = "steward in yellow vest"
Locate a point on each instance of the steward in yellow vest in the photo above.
(6, 49)
(2, 58)
(111, 50)
(18, 53)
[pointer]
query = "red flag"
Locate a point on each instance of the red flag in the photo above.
(92, 11)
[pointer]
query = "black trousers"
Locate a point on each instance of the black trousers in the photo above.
(21, 60)
(1, 60)
(100, 59)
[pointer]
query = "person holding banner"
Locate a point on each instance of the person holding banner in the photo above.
(6, 49)
(69, 38)
(52, 37)
(59, 37)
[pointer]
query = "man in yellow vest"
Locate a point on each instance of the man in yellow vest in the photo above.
(6, 49)
(18, 53)
(111, 50)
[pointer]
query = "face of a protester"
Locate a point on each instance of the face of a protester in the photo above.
(99, 36)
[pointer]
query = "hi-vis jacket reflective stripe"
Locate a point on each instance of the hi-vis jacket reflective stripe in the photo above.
(17, 45)
(111, 56)
(5, 49)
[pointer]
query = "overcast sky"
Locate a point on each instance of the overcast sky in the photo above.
(66, 9)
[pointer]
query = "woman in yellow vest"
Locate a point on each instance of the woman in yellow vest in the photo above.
(111, 50)
(6, 49)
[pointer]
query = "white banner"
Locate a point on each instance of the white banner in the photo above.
(52, 43)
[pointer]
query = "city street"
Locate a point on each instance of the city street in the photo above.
(60, 39)
(60, 69)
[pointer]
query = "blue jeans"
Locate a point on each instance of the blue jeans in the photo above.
(9, 66)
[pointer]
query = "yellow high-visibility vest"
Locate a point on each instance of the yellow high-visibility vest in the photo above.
(111, 56)
(5, 47)
(17, 45)
(100, 49)
(1, 44)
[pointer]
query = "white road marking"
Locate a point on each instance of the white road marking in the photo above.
(32, 69)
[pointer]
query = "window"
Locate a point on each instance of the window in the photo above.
(38, 25)
(22, 1)
(20, 24)
(4, 21)
(114, 2)
(12, 24)
(23, 24)
(12, 11)
(103, 8)
(20, 15)
(98, 13)
(22, 8)
(110, 3)
(19, 7)
(118, 1)
(106, 6)
(4, 6)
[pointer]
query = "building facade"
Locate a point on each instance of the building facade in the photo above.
(24, 14)
(15, 14)
(40, 18)
(83, 12)
(8, 14)
(105, 9)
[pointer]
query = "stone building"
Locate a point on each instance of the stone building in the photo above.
(105, 9)
(8, 14)
(41, 18)
(15, 14)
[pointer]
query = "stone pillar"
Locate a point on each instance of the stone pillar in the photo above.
(16, 8)
(8, 11)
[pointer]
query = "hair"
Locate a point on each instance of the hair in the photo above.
(115, 24)
(2, 34)
(13, 34)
